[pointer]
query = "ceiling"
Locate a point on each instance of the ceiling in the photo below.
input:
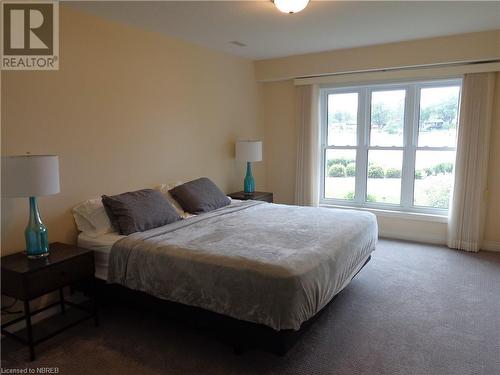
(322, 26)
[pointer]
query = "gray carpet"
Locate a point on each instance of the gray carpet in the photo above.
(414, 309)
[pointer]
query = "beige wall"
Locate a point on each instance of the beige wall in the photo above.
(449, 49)
(281, 139)
(128, 109)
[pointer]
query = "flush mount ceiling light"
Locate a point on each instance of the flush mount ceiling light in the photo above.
(290, 6)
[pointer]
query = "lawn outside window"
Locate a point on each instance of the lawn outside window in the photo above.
(390, 146)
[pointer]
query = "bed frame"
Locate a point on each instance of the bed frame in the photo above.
(241, 335)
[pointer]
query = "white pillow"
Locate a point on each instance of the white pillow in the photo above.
(82, 224)
(164, 188)
(91, 218)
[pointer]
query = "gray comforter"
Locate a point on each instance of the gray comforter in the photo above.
(270, 264)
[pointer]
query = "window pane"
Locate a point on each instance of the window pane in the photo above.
(438, 116)
(387, 118)
(340, 172)
(384, 176)
(342, 119)
(433, 178)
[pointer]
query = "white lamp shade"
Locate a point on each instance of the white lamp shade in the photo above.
(30, 175)
(249, 150)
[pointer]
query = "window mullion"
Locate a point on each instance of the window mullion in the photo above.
(363, 139)
(408, 171)
(324, 139)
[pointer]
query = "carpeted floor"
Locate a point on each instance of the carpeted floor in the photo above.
(414, 309)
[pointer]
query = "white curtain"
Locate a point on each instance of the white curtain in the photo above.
(466, 221)
(308, 150)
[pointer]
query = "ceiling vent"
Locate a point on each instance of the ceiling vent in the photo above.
(239, 44)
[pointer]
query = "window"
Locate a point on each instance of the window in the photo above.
(390, 146)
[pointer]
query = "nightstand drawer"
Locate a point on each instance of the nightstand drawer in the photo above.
(59, 275)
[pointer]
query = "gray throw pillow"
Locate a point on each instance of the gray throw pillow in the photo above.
(139, 210)
(199, 196)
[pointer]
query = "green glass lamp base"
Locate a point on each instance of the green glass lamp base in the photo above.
(35, 234)
(249, 183)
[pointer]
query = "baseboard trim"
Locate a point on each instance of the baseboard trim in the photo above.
(424, 238)
(435, 240)
(491, 246)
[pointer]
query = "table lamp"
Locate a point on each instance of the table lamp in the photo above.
(249, 151)
(32, 176)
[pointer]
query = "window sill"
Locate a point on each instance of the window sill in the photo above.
(396, 214)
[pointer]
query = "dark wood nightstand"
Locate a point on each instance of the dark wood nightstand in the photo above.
(256, 196)
(26, 279)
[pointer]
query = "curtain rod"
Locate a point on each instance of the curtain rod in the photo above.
(403, 68)
(407, 72)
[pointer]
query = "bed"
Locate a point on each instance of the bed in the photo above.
(266, 264)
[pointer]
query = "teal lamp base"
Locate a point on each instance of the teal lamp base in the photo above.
(249, 183)
(36, 235)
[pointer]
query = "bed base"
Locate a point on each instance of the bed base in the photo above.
(241, 335)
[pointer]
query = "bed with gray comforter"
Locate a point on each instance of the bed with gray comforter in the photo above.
(270, 264)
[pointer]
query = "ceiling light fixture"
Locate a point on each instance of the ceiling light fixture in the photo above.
(290, 6)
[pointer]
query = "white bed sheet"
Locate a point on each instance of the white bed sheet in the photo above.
(102, 246)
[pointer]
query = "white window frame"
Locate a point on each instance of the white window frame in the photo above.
(409, 148)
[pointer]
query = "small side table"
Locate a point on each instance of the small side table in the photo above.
(256, 196)
(26, 279)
